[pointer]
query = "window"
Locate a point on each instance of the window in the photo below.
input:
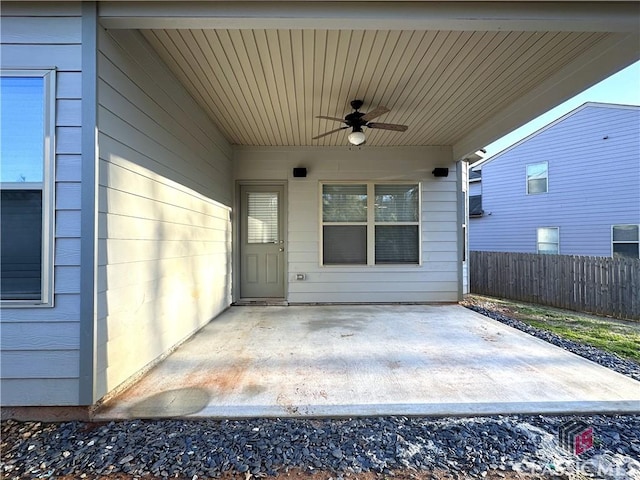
(475, 206)
(262, 217)
(625, 241)
(549, 240)
(370, 224)
(537, 178)
(26, 174)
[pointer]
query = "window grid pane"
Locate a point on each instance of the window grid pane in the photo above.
(344, 203)
(396, 203)
(538, 185)
(22, 132)
(626, 250)
(344, 244)
(548, 235)
(548, 248)
(262, 217)
(397, 244)
(625, 233)
(21, 244)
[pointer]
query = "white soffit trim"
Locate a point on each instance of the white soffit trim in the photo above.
(610, 56)
(385, 15)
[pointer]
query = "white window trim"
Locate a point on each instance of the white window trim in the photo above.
(618, 241)
(538, 243)
(370, 224)
(47, 185)
(526, 178)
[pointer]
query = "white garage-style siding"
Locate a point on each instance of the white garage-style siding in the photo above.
(436, 280)
(40, 346)
(164, 225)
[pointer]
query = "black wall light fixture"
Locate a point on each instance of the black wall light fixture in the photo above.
(440, 172)
(299, 172)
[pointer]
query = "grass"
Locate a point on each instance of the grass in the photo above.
(615, 336)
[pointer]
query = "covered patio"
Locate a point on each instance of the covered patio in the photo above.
(352, 360)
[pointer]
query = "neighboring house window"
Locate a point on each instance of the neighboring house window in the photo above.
(370, 224)
(537, 178)
(26, 186)
(625, 241)
(475, 206)
(549, 240)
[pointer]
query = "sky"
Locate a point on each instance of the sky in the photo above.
(622, 87)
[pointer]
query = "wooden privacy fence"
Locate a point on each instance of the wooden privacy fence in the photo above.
(599, 285)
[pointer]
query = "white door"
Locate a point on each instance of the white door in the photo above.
(262, 241)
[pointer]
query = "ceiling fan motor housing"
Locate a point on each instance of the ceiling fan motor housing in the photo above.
(355, 119)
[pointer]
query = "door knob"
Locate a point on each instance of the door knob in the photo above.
(281, 249)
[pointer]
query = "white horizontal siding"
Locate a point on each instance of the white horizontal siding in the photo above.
(594, 183)
(164, 223)
(434, 281)
(40, 347)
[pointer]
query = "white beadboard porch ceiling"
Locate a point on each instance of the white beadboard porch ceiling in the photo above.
(266, 87)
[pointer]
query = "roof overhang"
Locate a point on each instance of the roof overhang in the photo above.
(458, 73)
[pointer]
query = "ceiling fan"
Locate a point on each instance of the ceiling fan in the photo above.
(358, 120)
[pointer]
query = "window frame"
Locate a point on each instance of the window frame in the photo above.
(370, 224)
(626, 241)
(538, 241)
(526, 177)
(47, 186)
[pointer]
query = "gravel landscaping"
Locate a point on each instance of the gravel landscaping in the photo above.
(468, 447)
(509, 447)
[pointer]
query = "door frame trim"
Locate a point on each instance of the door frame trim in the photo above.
(236, 245)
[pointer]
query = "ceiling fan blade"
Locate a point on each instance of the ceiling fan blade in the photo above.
(376, 112)
(388, 126)
(331, 118)
(329, 133)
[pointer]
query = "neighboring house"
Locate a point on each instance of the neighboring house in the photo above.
(159, 162)
(572, 187)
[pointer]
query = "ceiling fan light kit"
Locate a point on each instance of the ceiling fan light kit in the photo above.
(357, 120)
(356, 137)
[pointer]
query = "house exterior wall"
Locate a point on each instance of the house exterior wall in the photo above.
(436, 280)
(164, 226)
(594, 183)
(40, 346)
(475, 188)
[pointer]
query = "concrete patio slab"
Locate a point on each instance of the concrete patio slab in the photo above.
(352, 360)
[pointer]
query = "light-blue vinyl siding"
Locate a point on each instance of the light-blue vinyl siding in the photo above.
(593, 155)
(39, 354)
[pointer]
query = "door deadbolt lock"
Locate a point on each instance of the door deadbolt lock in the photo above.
(281, 249)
